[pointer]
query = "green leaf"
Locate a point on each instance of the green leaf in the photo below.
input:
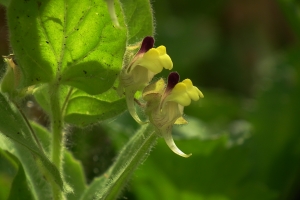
(14, 128)
(84, 109)
(139, 19)
(73, 170)
(71, 42)
(8, 170)
(36, 179)
(74, 176)
(110, 185)
(20, 188)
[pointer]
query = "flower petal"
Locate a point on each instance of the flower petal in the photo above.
(155, 59)
(181, 120)
(179, 95)
(192, 91)
(162, 50)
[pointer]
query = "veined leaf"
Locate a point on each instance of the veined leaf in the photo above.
(84, 109)
(72, 42)
(139, 19)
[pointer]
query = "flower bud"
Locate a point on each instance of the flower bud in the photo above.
(11, 78)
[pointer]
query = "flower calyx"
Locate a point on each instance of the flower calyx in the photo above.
(11, 79)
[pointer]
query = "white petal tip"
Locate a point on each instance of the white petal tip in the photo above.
(183, 154)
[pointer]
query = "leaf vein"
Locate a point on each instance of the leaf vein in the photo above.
(46, 35)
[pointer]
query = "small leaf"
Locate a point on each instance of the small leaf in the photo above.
(71, 42)
(110, 185)
(84, 109)
(20, 188)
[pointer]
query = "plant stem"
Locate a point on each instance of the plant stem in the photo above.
(133, 154)
(57, 135)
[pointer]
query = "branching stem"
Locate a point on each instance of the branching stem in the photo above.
(66, 100)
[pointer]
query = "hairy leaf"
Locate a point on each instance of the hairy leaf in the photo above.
(20, 188)
(38, 184)
(14, 128)
(139, 19)
(84, 109)
(70, 42)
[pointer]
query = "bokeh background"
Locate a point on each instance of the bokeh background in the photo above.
(244, 56)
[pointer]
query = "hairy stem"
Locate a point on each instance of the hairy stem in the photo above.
(57, 135)
(134, 153)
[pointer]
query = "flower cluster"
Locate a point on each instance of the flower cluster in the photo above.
(143, 67)
(164, 102)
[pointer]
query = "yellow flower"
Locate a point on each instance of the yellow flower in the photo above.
(143, 67)
(165, 105)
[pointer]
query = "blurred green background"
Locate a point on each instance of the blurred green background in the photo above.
(244, 55)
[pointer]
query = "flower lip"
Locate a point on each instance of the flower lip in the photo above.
(147, 44)
(173, 79)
